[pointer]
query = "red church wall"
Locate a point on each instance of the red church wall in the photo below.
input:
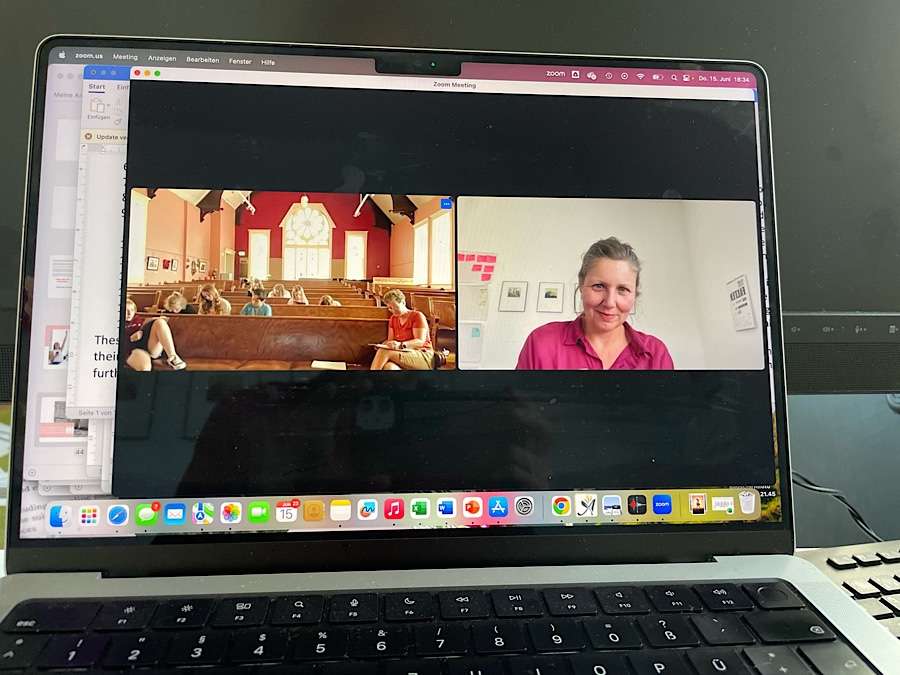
(272, 206)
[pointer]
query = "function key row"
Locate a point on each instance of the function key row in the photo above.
(348, 608)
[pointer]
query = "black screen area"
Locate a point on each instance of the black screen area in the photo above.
(319, 432)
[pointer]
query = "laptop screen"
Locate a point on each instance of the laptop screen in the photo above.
(298, 295)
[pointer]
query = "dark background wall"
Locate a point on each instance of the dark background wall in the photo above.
(833, 68)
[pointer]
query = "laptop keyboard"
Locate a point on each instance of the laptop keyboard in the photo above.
(868, 572)
(673, 629)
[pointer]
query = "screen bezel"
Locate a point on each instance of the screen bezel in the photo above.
(168, 555)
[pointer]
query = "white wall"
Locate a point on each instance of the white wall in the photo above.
(720, 248)
(543, 239)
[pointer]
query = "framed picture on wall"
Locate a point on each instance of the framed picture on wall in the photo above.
(512, 296)
(152, 263)
(576, 299)
(202, 265)
(174, 264)
(193, 266)
(167, 262)
(550, 296)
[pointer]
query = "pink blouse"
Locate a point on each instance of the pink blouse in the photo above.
(562, 345)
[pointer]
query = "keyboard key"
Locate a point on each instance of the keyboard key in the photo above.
(50, 617)
(240, 612)
(774, 596)
(622, 600)
(182, 613)
(126, 615)
(876, 608)
(559, 635)
(654, 663)
(891, 625)
(498, 638)
(723, 597)
(570, 602)
(346, 668)
(408, 607)
(599, 664)
(19, 651)
(197, 648)
(889, 556)
(673, 598)
(258, 645)
(886, 584)
(668, 631)
(326, 643)
(354, 608)
(370, 643)
(776, 661)
(892, 604)
(297, 610)
(73, 651)
(413, 667)
(537, 665)
(798, 625)
(842, 562)
(464, 605)
(835, 658)
(442, 640)
(862, 589)
(473, 667)
(721, 630)
(606, 633)
(716, 662)
(867, 559)
(513, 603)
(140, 650)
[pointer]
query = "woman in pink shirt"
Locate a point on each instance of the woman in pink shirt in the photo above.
(600, 338)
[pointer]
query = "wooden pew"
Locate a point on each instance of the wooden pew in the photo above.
(357, 311)
(146, 300)
(238, 301)
(272, 343)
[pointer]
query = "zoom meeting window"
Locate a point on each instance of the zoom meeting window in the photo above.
(359, 301)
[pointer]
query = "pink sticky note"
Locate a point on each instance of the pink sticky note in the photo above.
(485, 277)
(482, 258)
(476, 268)
(460, 257)
(490, 258)
(470, 256)
(488, 268)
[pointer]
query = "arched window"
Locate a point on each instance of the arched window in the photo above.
(306, 241)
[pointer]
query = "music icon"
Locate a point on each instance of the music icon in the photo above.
(394, 509)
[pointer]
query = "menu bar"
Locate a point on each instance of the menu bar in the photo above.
(136, 517)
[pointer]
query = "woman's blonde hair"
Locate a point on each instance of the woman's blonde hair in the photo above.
(278, 289)
(394, 295)
(612, 249)
(326, 300)
(212, 306)
(174, 300)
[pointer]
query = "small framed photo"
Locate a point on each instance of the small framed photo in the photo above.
(202, 266)
(512, 296)
(550, 296)
(152, 263)
(166, 263)
(174, 264)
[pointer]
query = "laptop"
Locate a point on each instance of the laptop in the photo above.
(357, 360)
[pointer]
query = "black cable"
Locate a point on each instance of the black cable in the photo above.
(802, 481)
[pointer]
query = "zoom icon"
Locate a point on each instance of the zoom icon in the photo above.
(524, 506)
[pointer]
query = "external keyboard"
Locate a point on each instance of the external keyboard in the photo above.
(868, 572)
(743, 628)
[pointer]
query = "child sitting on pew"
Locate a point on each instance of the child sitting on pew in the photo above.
(176, 303)
(279, 291)
(298, 296)
(211, 302)
(328, 300)
(257, 305)
(147, 340)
